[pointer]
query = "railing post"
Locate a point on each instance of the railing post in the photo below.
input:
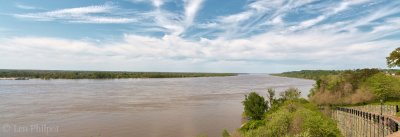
(374, 124)
(370, 124)
(383, 125)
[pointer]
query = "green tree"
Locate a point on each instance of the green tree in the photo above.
(384, 86)
(290, 94)
(255, 106)
(270, 95)
(394, 58)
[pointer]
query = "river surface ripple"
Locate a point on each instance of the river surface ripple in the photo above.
(168, 107)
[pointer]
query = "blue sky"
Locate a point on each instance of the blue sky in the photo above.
(198, 35)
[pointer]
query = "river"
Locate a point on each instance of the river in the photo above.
(167, 107)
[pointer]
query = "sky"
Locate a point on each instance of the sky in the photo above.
(247, 36)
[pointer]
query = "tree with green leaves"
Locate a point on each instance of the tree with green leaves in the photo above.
(255, 106)
(394, 58)
(384, 86)
(270, 95)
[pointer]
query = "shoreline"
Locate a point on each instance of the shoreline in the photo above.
(58, 74)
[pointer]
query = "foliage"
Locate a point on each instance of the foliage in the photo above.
(290, 94)
(353, 87)
(356, 77)
(295, 118)
(270, 95)
(225, 133)
(394, 58)
(350, 86)
(252, 124)
(55, 74)
(308, 74)
(384, 86)
(255, 106)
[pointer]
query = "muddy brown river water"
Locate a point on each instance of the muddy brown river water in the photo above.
(170, 107)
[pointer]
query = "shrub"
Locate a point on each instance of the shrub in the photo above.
(355, 87)
(296, 118)
(361, 96)
(271, 95)
(290, 94)
(253, 124)
(255, 106)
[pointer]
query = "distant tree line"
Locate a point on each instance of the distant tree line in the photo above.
(55, 74)
(308, 74)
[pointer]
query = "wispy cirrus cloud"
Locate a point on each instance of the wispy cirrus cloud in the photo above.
(191, 9)
(174, 23)
(155, 3)
(342, 6)
(26, 7)
(264, 36)
(304, 49)
(88, 14)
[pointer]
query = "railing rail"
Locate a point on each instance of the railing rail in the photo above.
(358, 122)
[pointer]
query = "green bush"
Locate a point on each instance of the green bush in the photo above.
(277, 124)
(255, 106)
(252, 124)
(290, 94)
(295, 118)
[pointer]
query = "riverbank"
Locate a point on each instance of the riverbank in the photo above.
(63, 74)
(361, 88)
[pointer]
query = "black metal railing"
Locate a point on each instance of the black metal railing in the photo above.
(353, 122)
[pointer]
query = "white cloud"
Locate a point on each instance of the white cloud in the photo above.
(26, 7)
(319, 44)
(79, 15)
(235, 18)
(174, 23)
(303, 48)
(155, 3)
(258, 14)
(330, 12)
(158, 3)
(191, 9)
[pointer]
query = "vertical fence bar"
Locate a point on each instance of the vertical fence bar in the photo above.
(374, 124)
(370, 124)
(383, 126)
